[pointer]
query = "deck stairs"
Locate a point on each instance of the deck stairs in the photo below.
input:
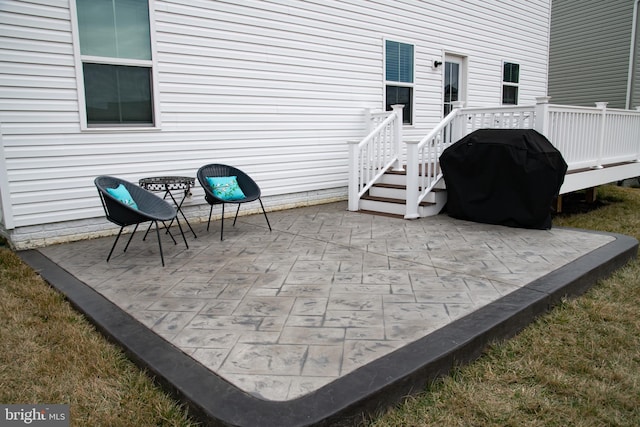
(388, 197)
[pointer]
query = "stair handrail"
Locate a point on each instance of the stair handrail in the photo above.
(423, 166)
(375, 154)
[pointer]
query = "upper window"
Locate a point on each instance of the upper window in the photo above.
(399, 77)
(115, 49)
(510, 81)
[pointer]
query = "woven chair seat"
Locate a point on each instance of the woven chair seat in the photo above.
(150, 208)
(248, 186)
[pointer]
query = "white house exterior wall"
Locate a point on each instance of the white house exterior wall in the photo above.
(273, 87)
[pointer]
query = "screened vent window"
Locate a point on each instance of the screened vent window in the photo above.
(399, 77)
(115, 48)
(510, 81)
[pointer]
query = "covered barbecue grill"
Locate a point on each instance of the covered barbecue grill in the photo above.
(503, 176)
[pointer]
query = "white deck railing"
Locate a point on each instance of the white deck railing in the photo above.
(592, 137)
(511, 117)
(586, 137)
(423, 164)
(380, 150)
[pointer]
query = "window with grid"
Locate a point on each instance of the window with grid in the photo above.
(399, 77)
(115, 49)
(510, 82)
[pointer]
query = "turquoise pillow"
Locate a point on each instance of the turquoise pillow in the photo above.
(122, 195)
(225, 187)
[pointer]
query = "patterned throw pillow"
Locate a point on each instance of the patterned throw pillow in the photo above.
(122, 195)
(225, 187)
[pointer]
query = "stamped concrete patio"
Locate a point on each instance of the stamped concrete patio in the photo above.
(330, 314)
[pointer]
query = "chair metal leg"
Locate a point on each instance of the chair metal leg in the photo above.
(210, 212)
(182, 232)
(169, 233)
(180, 211)
(159, 242)
(265, 214)
(130, 237)
(222, 223)
(147, 232)
(114, 244)
(236, 217)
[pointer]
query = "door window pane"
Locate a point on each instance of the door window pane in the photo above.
(117, 94)
(451, 85)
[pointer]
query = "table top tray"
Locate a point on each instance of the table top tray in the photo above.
(159, 183)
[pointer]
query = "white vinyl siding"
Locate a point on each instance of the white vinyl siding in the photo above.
(276, 89)
(589, 51)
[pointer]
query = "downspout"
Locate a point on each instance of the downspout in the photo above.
(632, 54)
(6, 213)
(548, 55)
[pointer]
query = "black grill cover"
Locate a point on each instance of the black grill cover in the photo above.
(503, 176)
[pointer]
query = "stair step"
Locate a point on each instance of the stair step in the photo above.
(404, 170)
(399, 178)
(383, 199)
(402, 187)
(390, 215)
(388, 190)
(388, 197)
(394, 172)
(397, 191)
(385, 185)
(391, 200)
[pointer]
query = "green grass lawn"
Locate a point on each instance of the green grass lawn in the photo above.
(579, 365)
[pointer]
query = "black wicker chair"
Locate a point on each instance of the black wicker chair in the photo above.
(247, 185)
(150, 207)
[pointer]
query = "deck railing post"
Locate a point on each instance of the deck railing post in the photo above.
(397, 136)
(354, 175)
(368, 121)
(603, 122)
(411, 209)
(542, 115)
(458, 130)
